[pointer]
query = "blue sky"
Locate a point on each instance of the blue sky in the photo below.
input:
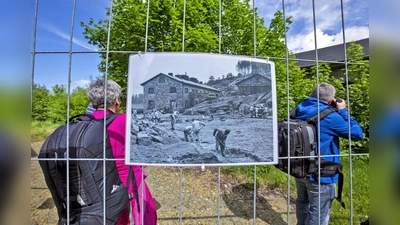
(55, 16)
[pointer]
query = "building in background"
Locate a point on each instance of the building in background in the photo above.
(167, 92)
(255, 84)
(334, 55)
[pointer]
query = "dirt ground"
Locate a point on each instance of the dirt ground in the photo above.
(199, 198)
(250, 141)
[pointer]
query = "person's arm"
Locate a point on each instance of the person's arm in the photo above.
(338, 125)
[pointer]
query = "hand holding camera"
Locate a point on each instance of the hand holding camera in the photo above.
(338, 103)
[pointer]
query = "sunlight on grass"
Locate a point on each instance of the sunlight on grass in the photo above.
(41, 130)
(274, 179)
(359, 193)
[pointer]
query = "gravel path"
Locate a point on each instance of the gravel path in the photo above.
(199, 198)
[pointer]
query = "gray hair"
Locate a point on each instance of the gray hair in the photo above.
(95, 92)
(326, 92)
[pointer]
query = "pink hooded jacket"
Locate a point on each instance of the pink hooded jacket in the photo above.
(116, 133)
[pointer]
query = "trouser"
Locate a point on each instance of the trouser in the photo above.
(188, 136)
(219, 145)
(309, 203)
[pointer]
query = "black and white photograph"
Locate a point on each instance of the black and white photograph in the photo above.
(191, 109)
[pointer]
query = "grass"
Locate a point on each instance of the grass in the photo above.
(41, 130)
(359, 193)
(272, 178)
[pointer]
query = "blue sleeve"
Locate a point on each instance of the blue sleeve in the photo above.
(338, 125)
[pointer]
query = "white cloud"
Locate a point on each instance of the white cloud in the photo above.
(50, 28)
(328, 21)
(305, 42)
(80, 83)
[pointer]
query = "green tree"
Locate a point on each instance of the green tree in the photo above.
(324, 76)
(291, 83)
(165, 30)
(358, 73)
(165, 33)
(58, 104)
(78, 101)
(40, 102)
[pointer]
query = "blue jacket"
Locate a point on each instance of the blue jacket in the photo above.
(332, 127)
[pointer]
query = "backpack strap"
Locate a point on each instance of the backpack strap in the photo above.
(314, 120)
(340, 187)
(293, 113)
(80, 117)
(135, 188)
(324, 113)
(110, 118)
(341, 179)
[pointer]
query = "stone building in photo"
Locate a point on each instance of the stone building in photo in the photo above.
(167, 92)
(255, 84)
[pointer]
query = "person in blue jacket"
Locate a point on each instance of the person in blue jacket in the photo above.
(335, 125)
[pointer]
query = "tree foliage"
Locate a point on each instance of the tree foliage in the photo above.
(169, 31)
(40, 102)
(358, 88)
(166, 30)
(198, 30)
(52, 105)
(78, 101)
(358, 74)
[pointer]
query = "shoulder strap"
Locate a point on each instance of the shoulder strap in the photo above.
(110, 118)
(313, 119)
(80, 117)
(293, 113)
(135, 188)
(341, 179)
(340, 188)
(324, 113)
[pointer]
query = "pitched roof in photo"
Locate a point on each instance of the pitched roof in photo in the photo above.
(187, 82)
(255, 76)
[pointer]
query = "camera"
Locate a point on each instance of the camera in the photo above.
(333, 103)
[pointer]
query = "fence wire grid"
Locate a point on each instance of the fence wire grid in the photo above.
(68, 57)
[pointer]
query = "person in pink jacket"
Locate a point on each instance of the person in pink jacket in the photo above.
(116, 133)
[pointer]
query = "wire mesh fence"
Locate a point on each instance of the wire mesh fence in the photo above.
(223, 198)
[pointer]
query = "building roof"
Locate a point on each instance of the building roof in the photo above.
(333, 53)
(252, 76)
(191, 83)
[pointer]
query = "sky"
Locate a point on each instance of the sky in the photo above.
(199, 65)
(54, 18)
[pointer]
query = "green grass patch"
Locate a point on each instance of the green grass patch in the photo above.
(267, 175)
(275, 179)
(40, 130)
(359, 192)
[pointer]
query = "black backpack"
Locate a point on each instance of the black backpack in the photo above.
(302, 149)
(86, 180)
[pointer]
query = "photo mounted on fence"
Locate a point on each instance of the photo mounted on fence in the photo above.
(189, 109)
